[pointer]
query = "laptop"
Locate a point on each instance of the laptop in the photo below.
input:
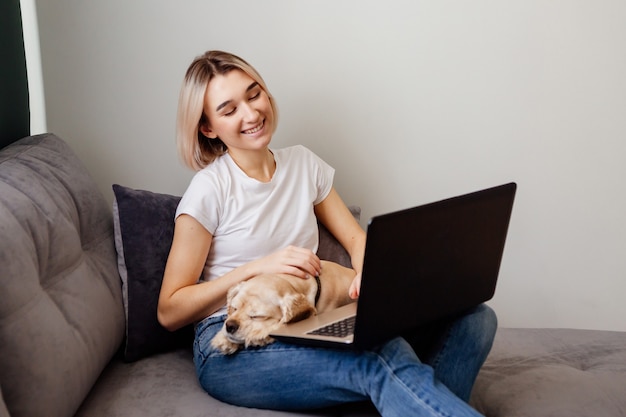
(420, 265)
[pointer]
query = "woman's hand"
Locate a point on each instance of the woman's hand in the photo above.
(355, 287)
(292, 260)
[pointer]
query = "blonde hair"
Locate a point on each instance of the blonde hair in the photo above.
(196, 150)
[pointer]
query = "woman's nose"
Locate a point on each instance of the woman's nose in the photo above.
(249, 112)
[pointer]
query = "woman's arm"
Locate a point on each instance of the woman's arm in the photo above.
(334, 214)
(183, 300)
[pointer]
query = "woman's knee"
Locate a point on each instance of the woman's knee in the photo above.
(479, 327)
(486, 320)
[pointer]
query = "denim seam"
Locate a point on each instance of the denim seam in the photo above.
(440, 352)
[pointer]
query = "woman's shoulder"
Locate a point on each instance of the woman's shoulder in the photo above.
(206, 190)
(216, 167)
(296, 152)
(300, 157)
(294, 149)
(213, 175)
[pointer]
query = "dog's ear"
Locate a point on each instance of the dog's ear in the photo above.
(233, 291)
(296, 307)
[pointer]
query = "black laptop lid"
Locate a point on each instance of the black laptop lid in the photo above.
(431, 261)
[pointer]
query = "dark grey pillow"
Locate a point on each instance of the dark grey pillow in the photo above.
(144, 228)
(330, 249)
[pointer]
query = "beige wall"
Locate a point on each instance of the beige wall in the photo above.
(411, 101)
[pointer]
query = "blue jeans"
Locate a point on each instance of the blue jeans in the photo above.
(283, 376)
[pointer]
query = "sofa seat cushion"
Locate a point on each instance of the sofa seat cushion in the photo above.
(553, 372)
(61, 315)
(165, 384)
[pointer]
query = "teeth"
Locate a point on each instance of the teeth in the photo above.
(256, 129)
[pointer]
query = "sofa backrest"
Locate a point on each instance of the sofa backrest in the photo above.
(61, 313)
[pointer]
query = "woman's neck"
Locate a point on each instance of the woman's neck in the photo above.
(259, 165)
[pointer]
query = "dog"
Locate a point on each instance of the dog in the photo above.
(261, 304)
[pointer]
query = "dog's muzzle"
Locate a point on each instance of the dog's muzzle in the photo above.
(232, 326)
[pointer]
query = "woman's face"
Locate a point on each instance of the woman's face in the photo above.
(239, 112)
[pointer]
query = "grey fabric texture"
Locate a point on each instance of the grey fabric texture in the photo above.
(330, 249)
(553, 372)
(61, 315)
(166, 385)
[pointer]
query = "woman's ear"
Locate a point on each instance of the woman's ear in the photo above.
(207, 131)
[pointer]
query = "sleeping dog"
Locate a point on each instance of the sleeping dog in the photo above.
(261, 304)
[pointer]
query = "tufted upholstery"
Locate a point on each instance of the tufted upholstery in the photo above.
(553, 372)
(61, 315)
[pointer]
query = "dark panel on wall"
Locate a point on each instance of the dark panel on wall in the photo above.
(14, 109)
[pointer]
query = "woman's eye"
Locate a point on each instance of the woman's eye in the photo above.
(230, 112)
(255, 96)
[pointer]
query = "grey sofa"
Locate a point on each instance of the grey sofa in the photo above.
(78, 334)
(78, 281)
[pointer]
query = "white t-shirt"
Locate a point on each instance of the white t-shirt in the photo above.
(250, 219)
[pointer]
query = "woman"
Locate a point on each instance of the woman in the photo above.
(250, 210)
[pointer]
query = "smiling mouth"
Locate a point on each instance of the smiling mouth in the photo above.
(254, 129)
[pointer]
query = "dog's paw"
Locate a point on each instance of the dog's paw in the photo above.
(221, 342)
(260, 342)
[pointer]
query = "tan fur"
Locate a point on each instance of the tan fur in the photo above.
(261, 304)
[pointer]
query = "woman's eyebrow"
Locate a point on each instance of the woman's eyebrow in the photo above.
(224, 104)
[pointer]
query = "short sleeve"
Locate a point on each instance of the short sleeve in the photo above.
(324, 176)
(202, 201)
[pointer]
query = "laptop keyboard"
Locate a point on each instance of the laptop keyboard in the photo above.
(341, 328)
